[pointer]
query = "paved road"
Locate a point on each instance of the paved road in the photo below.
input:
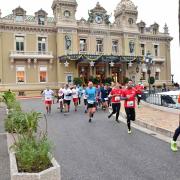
(104, 151)
(4, 157)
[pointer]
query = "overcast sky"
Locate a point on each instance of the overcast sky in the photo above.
(150, 11)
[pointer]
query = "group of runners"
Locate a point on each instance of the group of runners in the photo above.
(102, 96)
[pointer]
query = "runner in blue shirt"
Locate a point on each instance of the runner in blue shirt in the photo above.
(91, 99)
(104, 97)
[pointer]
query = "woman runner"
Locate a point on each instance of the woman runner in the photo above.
(115, 94)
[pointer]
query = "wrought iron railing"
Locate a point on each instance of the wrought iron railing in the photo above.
(170, 101)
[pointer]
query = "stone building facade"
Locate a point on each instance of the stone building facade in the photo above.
(38, 51)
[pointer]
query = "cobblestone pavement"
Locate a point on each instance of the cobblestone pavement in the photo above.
(4, 157)
(103, 150)
(158, 118)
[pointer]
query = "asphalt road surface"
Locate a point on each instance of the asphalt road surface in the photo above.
(103, 150)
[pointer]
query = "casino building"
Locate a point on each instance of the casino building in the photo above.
(38, 51)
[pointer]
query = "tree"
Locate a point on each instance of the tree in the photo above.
(151, 80)
(78, 81)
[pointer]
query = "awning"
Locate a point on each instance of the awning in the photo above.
(99, 58)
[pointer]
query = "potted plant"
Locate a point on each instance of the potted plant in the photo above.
(30, 158)
(78, 81)
(109, 80)
(30, 152)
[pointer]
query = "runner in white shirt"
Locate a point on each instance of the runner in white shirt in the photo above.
(85, 98)
(61, 98)
(48, 97)
(75, 93)
(67, 98)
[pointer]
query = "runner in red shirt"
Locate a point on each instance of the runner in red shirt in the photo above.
(130, 99)
(139, 89)
(116, 94)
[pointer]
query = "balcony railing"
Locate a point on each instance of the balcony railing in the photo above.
(159, 59)
(31, 55)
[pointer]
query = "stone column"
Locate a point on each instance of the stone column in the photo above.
(107, 70)
(94, 71)
(91, 71)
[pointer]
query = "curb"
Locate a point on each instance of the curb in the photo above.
(162, 108)
(29, 97)
(156, 129)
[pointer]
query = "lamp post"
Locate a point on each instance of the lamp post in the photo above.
(172, 78)
(149, 62)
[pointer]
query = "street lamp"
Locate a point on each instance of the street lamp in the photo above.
(172, 78)
(149, 62)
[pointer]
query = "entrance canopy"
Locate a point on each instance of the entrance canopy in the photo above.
(100, 58)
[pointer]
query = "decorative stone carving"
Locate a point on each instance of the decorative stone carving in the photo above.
(19, 11)
(125, 5)
(166, 29)
(131, 47)
(68, 42)
(98, 15)
(12, 60)
(35, 61)
(51, 61)
(29, 63)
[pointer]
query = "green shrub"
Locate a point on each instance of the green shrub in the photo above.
(9, 97)
(10, 100)
(22, 123)
(109, 80)
(95, 80)
(33, 154)
(126, 80)
(78, 81)
(151, 80)
(1, 97)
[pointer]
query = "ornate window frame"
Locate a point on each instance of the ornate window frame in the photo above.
(43, 36)
(20, 35)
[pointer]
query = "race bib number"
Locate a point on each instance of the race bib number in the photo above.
(61, 100)
(139, 95)
(90, 102)
(130, 103)
(106, 99)
(117, 98)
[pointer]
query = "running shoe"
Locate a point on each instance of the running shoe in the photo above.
(117, 120)
(85, 111)
(174, 146)
(109, 116)
(89, 120)
(129, 131)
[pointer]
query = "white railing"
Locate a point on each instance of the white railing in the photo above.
(31, 54)
(12, 21)
(159, 59)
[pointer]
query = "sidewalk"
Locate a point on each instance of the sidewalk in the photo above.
(160, 121)
(4, 157)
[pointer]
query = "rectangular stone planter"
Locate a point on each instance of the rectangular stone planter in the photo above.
(53, 173)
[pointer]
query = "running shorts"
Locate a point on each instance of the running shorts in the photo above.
(68, 102)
